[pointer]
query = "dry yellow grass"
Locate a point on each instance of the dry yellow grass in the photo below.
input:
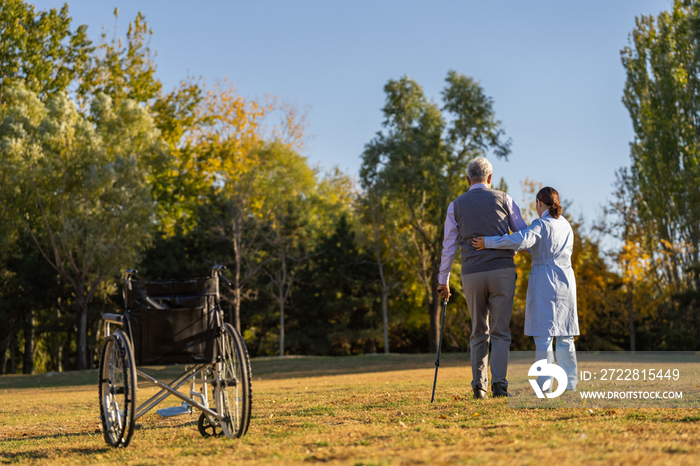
(356, 411)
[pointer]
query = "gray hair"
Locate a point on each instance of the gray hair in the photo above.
(479, 169)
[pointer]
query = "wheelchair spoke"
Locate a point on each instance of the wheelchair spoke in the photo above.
(117, 414)
(233, 384)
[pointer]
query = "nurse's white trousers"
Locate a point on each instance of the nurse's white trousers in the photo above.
(565, 356)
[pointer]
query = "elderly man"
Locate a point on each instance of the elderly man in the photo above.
(488, 276)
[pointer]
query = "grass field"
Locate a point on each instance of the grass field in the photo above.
(364, 410)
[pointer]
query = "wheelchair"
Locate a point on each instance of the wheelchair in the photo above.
(174, 322)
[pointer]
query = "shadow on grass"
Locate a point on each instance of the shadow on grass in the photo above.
(25, 455)
(138, 428)
(24, 437)
(41, 455)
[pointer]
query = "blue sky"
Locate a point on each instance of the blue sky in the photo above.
(552, 68)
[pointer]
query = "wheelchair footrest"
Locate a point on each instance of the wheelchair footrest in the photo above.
(175, 410)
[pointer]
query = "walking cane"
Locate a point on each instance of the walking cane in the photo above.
(437, 362)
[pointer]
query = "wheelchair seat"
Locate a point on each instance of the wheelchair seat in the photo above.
(172, 321)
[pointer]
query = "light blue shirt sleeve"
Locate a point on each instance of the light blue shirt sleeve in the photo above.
(520, 240)
(515, 218)
(449, 245)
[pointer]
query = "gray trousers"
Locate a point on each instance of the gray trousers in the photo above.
(490, 294)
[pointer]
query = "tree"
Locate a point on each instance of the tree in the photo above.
(598, 301)
(81, 187)
(29, 290)
(176, 184)
(378, 218)
(381, 254)
(290, 184)
(334, 306)
(39, 48)
(121, 70)
(419, 161)
(636, 268)
(42, 51)
(662, 95)
(229, 150)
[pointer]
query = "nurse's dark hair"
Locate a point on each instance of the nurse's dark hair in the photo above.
(550, 197)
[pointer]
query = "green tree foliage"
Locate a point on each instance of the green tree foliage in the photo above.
(335, 308)
(661, 244)
(175, 190)
(599, 301)
(290, 185)
(419, 162)
(95, 157)
(28, 289)
(374, 209)
(122, 69)
(81, 187)
(662, 95)
(229, 156)
(40, 49)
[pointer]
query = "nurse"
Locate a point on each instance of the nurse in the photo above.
(550, 310)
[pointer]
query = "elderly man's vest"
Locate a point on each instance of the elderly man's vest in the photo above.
(482, 212)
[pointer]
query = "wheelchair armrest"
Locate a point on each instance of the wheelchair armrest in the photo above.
(113, 318)
(109, 318)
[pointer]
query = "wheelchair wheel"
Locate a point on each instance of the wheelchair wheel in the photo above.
(117, 389)
(234, 392)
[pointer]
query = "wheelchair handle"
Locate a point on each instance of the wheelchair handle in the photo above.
(217, 271)
(127, 278)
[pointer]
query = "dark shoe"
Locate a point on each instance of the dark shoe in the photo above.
(499, 390)
(479, 393)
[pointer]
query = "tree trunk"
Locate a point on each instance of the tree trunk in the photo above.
(59, 356)
(58, 367)
(3, 355)
(235, 319)
(5, 348)
(281, 324)
(385, 318)
(28, 361)
(59, 347)
(282, 297)
(237, 307)
(434, 310)
(70, 331)
(93, 344)
(630, 316)
(385, 288)
(13, 350)
(385, 296)
(81, 337)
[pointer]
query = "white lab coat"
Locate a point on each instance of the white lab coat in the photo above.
(551, 291)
